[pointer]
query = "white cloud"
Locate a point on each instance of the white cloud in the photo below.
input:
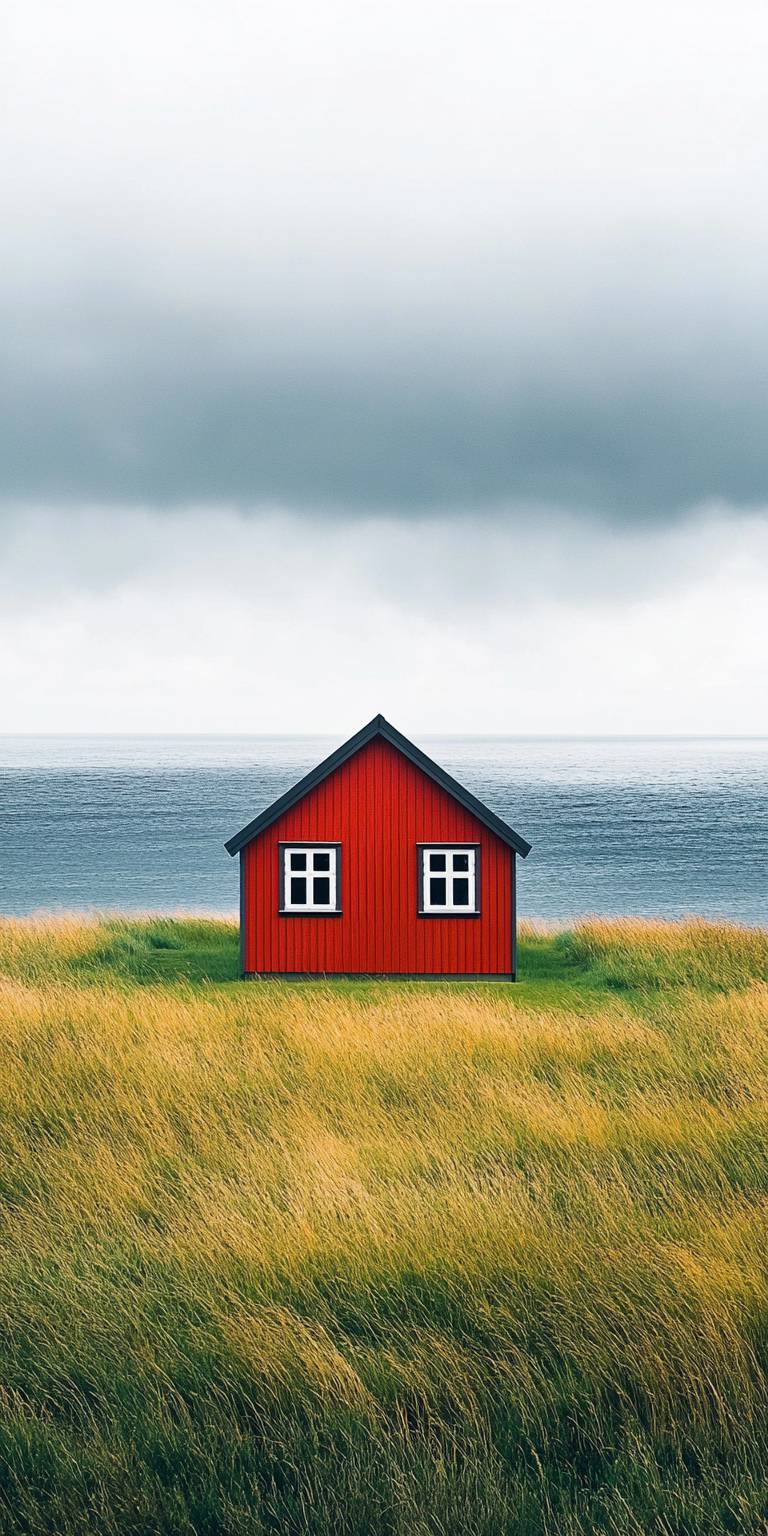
(133, 622)
(410, 127)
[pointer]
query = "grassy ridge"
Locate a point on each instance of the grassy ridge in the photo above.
(383, 1258)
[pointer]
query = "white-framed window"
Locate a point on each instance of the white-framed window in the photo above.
(448, 879)
(310, 878)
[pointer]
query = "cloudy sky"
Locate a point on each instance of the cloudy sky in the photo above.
(408, 356)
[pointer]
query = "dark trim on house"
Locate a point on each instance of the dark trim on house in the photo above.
(299, 843)
(242, 914)
(450, 911)
(513, 894)
(379, 727)
(377, 976)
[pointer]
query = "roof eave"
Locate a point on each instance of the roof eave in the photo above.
(302, 788)
(454, 788)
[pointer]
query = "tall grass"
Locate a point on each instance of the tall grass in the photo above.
(631, 952)
(382, 1259)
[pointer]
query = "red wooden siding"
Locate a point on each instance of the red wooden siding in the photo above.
(379, 806)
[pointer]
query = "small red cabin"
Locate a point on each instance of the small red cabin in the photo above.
(378, 863)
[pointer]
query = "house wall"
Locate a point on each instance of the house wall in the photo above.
(379, 806)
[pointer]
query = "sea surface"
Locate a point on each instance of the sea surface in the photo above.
(647, 825)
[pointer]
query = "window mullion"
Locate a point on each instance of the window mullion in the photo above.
(452, 867)
(309, 874)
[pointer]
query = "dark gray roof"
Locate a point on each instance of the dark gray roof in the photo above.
(378, 726)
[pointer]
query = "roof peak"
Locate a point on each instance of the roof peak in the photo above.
(379, 726)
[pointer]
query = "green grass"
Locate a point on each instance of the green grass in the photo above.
(383, 1259)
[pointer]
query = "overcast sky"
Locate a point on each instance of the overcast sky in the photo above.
(409, 356)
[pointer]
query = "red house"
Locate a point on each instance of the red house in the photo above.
(378, 863)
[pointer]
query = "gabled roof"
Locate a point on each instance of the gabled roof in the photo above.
(378, 726)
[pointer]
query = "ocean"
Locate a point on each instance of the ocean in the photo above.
(644, 825)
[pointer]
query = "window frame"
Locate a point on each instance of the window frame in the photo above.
(307, 845)
(422, 849)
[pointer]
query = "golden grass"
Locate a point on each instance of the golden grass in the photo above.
(703, 953)
(383, 1259)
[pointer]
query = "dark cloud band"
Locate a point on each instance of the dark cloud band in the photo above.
(150, 411)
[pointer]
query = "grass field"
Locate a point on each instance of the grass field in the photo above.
(375, 1258)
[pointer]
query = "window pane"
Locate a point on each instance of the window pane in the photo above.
(461, 892)
(322, 890)
(298, 861)
(437, 893)
(437, 861)
(461, 861)
(322, 861)
(298, 890)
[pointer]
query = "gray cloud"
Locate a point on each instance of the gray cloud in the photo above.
(140, 406)
(421, 257)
